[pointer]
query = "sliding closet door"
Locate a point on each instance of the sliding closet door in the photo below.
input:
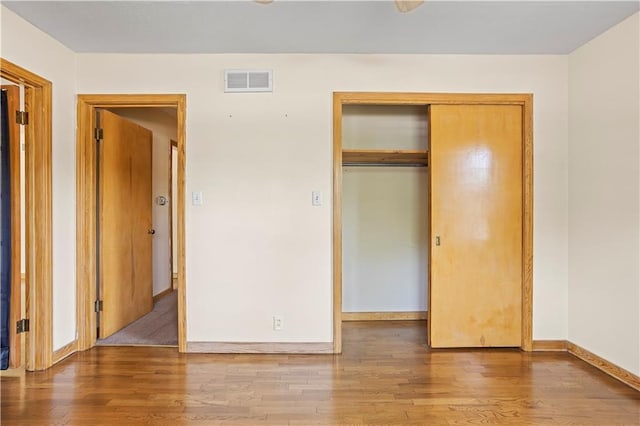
(476, 225)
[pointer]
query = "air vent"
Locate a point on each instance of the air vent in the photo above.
(248, 81)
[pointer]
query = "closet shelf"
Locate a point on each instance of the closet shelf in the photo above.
(385, 157)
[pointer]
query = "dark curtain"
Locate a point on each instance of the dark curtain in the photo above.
(5, 236)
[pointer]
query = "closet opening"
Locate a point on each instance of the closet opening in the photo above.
(384, 212)
(433, 215)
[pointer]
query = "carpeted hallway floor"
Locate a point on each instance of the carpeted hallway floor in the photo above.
(158, 327)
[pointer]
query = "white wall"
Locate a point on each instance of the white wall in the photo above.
(604, 195)
(24, 45)
(385, 127)
(384, 235)
(164, 128)
(257, 247)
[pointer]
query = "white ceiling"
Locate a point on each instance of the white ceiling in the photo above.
(436, 27)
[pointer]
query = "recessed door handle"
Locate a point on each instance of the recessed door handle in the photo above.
(151, 231)
(437, 240)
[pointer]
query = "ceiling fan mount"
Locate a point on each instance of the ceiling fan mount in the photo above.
(404, 6)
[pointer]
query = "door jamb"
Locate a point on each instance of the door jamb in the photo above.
(38, 214)
(86, 206)
(383, 98)
(173, 144)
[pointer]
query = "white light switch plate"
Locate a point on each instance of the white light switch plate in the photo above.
(196, 198)
(316, 198)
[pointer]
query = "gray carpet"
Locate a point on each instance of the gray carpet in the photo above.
(158, 327)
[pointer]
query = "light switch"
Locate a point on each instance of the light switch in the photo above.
(196, 198)
(316, 198)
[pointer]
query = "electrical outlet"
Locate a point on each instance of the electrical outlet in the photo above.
(278, 322)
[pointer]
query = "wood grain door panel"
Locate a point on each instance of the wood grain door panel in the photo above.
(125, 203)
(476, 214)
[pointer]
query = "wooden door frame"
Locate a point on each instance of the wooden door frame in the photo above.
(86, 250)
(38, 214)
(384, 98)
(172, 144)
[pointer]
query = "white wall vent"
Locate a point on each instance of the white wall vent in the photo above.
(248, 81)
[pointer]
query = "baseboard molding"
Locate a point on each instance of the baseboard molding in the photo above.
(65, 351)
(602, 364)
(590, 358)
(162, 294)
(259, 348)
(384, 316)
(550, 345)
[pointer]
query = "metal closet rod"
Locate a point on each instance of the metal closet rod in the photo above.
(384, 165)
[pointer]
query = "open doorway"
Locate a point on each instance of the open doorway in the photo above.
(89, 297)
(153, 320)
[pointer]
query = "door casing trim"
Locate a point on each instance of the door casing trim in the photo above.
(390, 98)
(38, 214)
(86, 205)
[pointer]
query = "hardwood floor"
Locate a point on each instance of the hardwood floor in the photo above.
(385, 376)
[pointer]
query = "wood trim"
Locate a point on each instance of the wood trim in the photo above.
(383, 98)
(549, 345)
(38, 213)
(162, 294)
(86, 202)
(260, 348)
(430, 252)
(65, 351)
(182, 260)
(590, 358)
(132, 101)
(395, 98)
(170, 192)
(527, 224)
(384, 316)
(85, 227)
(337, 223)
(15, 303)
(602, 364)
(384, 156)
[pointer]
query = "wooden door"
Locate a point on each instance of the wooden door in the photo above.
(125, 226)
(476, 225)
(15, 302)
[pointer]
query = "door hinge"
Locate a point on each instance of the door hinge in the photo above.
(22, 117)
(22, 326)
(98, 134)
(98, 306)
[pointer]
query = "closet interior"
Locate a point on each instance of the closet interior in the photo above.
(385, 211)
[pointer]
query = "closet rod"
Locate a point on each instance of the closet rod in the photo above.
(383, 164)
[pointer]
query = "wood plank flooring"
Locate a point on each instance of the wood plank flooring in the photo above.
(386, 376)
